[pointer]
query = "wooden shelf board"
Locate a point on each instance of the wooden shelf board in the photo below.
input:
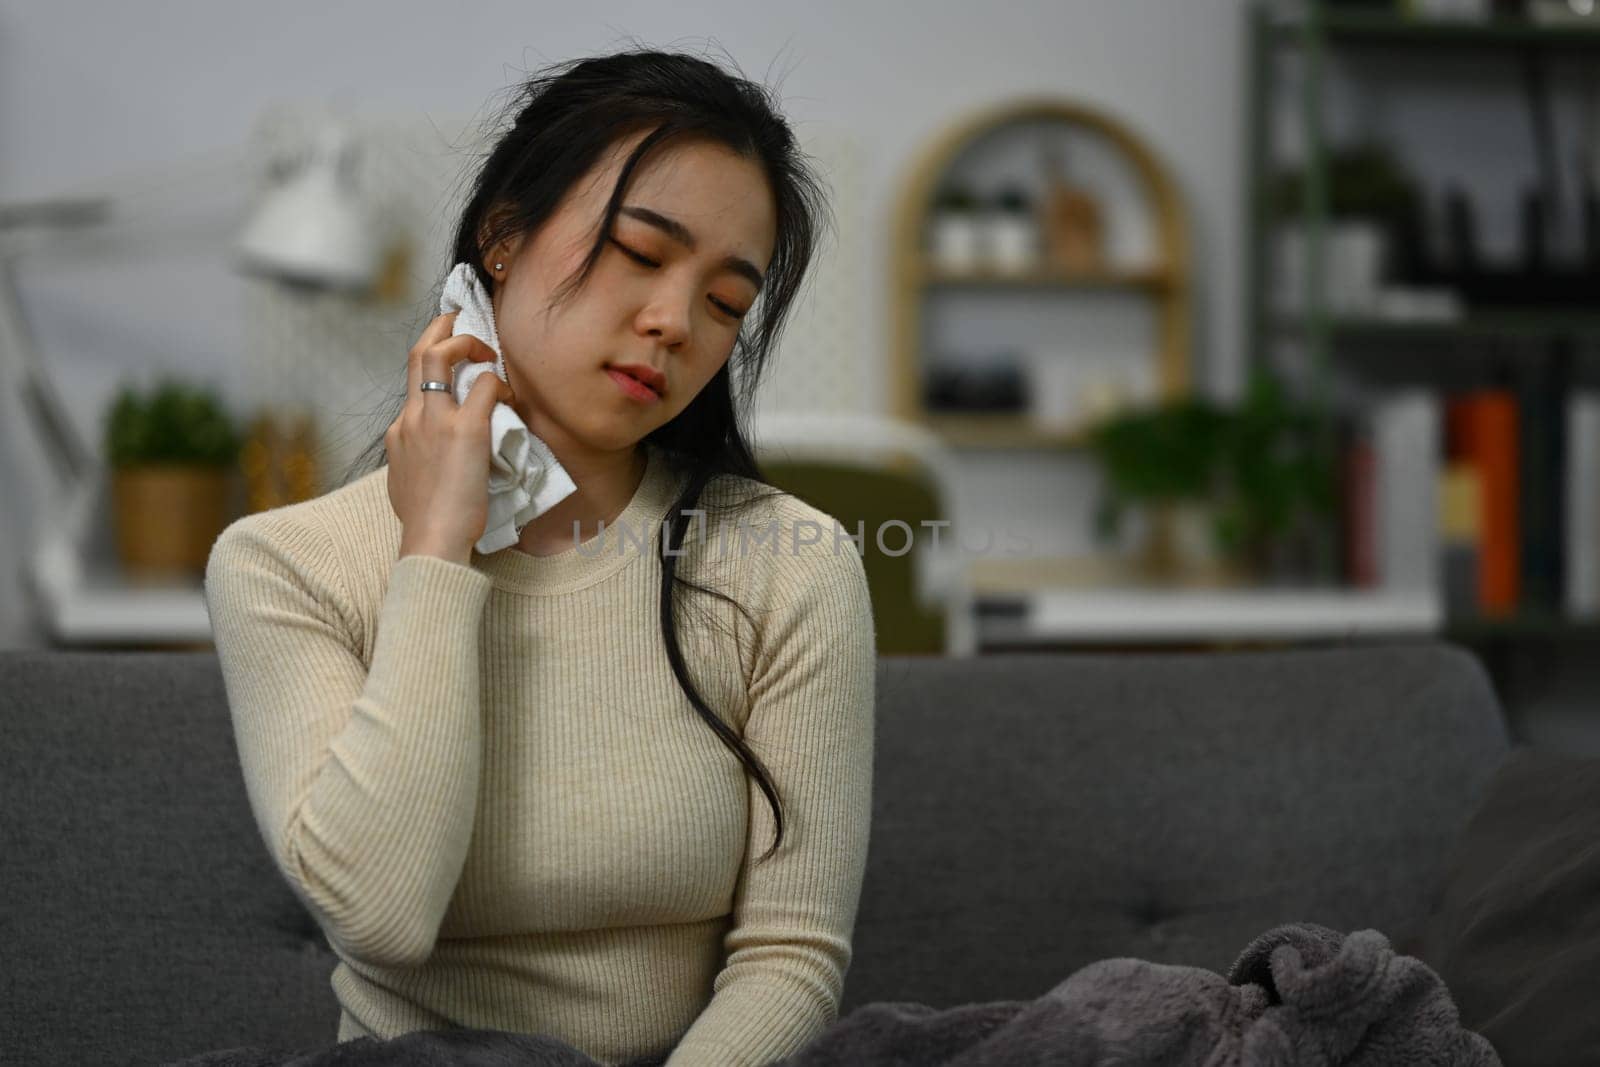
(1003, 577)
(1000, 430)
(1154, 279)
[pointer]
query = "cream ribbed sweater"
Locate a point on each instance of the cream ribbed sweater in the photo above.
(486, 785)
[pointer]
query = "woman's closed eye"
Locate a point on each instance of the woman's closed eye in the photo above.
(646, 261)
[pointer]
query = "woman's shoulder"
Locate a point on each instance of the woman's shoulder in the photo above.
(793, 542)
(359, 507)
(753, 498)
(332, 539)
(331, 554)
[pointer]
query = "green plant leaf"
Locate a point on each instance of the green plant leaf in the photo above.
(1108, 517)
(1259, 465)
(171, 423)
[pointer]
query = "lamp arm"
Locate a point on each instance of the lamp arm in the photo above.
(73, 461)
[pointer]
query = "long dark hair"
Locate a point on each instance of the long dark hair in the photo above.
(565, 119)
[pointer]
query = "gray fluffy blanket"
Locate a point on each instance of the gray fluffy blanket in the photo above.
(1297, 994)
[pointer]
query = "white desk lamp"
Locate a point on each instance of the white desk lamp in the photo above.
(312, 230)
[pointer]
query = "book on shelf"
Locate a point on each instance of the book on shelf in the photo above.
(1542, 460)
(1482, 431)
(1359, 521)
(1460, 537)
(1391, 467)
(1581, 595)
(1483, 495)
(1409, 460)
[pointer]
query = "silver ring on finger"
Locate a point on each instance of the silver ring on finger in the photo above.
(434, 386)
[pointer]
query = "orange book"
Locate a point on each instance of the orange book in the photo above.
(1481, 430)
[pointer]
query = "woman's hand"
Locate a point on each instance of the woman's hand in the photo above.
(439, 450)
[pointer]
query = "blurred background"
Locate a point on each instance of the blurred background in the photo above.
(1147, 323)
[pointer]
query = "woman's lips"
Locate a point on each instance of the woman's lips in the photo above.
(634, 387)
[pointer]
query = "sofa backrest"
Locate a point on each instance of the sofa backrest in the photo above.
(1031, 813)
(145, 921)
(1034, 813)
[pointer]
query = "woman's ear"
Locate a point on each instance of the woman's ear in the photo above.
(495, 260)
(501, 251)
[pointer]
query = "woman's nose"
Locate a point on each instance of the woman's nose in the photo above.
(667, 318)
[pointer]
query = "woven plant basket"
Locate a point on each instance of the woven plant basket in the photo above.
(168, 517)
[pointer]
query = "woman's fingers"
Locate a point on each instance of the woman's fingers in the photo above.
(438, 450)
(438, 364)
(481, 399)
(432, 334)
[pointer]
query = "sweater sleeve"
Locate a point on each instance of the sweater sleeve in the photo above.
(811, 725)
(362, 782)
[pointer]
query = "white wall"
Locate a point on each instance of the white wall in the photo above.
(90, 91)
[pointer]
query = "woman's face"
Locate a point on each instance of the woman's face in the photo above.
(677, 314)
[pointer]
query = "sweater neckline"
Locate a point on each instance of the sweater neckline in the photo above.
(630, 535)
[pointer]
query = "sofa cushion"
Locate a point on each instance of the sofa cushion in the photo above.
(1035, 813)
(144, 920)
(1516, 934)
(1031, 814)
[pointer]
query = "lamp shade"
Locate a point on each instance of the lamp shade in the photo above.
(313, 228)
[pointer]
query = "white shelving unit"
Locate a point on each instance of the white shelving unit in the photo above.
(127, 615)
(83, 603)
(1054, 617)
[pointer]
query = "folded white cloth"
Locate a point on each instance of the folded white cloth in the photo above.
(525, 481)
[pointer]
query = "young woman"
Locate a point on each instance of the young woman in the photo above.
(611, 784)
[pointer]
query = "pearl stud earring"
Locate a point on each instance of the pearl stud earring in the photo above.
(499, 266)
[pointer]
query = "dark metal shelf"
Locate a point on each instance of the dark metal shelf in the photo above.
(1524, 323)
(1397, 30)
(1524, 624)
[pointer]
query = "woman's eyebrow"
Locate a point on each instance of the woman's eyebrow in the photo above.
(680, 233)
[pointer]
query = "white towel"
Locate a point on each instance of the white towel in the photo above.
(525, 481)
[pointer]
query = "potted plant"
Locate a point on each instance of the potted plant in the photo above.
(1279, 490)
(1370, 200)
(1011, 233)
(171, 451)
(1228, 493)
(1162, 461)
(954, 230)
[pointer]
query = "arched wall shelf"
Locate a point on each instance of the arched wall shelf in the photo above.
(1165, 280)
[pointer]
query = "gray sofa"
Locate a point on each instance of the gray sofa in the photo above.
(1032, 813)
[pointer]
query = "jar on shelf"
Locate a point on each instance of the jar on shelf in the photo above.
(955, 230)
(1011, 233)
